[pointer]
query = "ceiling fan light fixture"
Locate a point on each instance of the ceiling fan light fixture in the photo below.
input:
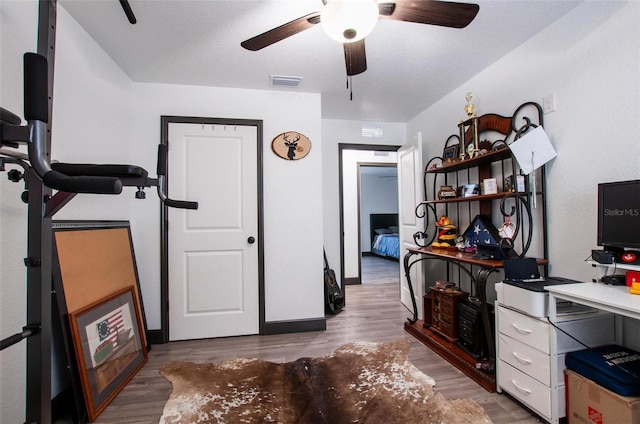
(348, 21)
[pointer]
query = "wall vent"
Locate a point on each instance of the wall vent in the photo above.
(372, 132)
(285, 81)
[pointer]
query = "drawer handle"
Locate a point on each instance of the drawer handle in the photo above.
(521, 359)
(521, 329)
(522, 389)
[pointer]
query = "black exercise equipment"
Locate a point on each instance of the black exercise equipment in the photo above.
(41, 177)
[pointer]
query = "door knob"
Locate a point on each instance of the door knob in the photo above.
(251, 240)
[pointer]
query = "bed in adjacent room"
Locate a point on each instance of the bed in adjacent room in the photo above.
(384, 235)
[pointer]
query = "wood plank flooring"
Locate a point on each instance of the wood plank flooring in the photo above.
(377, 270)
(373, 312)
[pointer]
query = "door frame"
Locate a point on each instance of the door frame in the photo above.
(341, 148)
(162, 335)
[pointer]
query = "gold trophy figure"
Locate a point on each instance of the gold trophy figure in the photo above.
(470, 108)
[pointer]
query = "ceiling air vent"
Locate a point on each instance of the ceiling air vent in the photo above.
(285, 81)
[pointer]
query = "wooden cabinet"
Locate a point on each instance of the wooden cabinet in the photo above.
(444, 312)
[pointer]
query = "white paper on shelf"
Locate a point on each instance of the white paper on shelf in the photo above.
(533, 150)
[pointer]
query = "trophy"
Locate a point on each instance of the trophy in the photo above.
(471, 150)
(470, 108)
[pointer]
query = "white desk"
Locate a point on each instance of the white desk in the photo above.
(614, 299)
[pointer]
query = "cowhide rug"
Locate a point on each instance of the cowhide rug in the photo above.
(358, 383)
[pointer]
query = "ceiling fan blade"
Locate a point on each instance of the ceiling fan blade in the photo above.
(128, 11)
(355, 57)
(280, 33)
(432, 12)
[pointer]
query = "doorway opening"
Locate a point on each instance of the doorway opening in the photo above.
(374, 166)
(378, 202)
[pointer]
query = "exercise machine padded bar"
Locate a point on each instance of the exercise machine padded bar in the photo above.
(93, 170)
(36, 111)
(84, 184)
(36, 102)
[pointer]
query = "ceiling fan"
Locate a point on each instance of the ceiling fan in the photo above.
(350, 21)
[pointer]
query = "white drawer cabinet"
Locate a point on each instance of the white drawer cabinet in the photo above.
(528, 390)
(524, 328)
(525, 358)
(530, 355)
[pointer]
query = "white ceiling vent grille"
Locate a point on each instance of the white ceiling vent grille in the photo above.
(285, 81)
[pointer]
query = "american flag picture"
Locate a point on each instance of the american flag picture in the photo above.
(105, 330)
(109, 328)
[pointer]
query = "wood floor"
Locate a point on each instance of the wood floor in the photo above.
(377, 270)
(372, 313)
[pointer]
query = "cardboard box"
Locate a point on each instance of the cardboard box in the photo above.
(589, 403)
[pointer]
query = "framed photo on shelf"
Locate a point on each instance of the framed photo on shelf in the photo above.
(450, 153)
(109, 348)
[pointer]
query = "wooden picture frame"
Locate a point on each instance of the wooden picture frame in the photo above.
(92, 259)
(109, 346)
(450, 153)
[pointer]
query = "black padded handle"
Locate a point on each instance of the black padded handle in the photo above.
(27, 331)
(8, 117)
(162, 159)
(181, 204)
(10, 341)
(84, 184)
(36, 93)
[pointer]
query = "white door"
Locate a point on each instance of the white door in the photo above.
(213, 251)
(410, 193)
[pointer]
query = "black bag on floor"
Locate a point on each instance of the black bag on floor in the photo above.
(334, 299)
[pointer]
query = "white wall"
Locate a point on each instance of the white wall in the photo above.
(292, 190)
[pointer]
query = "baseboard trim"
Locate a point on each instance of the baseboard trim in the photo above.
(352, 281)
(155, 337)
(299, 326)
(274, 327)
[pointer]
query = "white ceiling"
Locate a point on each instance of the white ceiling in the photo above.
(410, 66)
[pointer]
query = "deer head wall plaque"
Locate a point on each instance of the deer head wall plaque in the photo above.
(291, 145)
